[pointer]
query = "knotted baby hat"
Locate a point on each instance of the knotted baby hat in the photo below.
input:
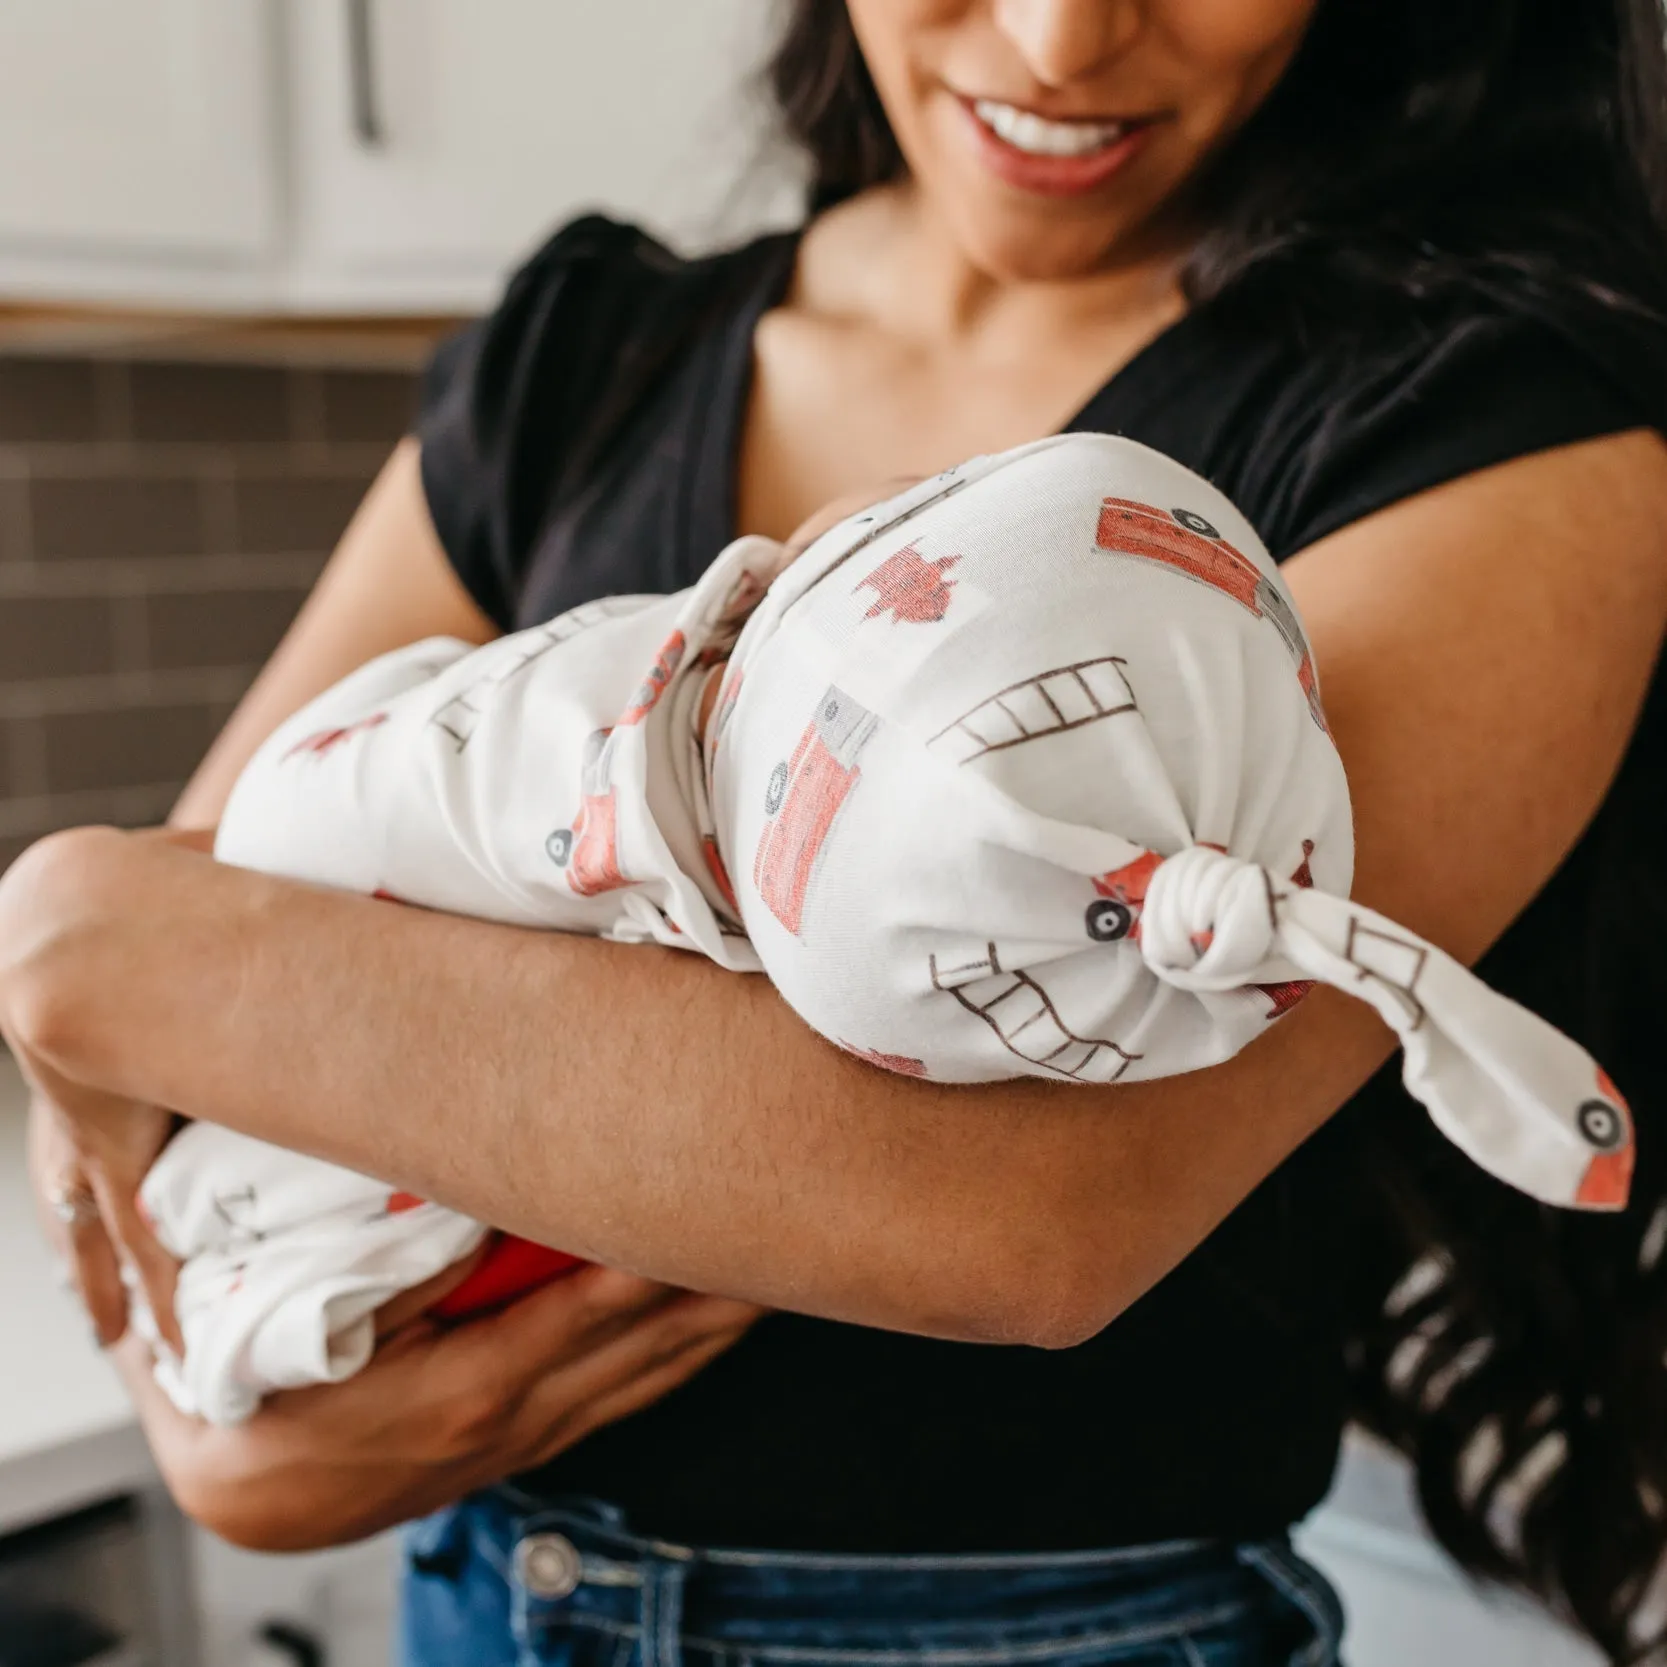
(1025, 772)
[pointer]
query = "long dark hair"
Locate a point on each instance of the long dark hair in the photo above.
(1423, 152)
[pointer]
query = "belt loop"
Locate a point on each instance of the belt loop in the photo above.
(662, 1612)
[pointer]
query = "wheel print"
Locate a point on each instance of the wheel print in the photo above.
(776, 791)
(559, 846)
(1195, 523)
(1602, 1124)
(1108, 920)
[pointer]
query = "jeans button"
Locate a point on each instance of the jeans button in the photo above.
(548, 1565)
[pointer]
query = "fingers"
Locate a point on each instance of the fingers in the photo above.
(565, 1320)
(156, 1271)
(81, 1243)
(98, 1279)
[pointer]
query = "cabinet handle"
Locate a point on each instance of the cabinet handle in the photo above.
(361, 74)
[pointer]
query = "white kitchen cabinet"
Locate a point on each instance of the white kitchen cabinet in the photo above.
(436, 140)
(138, 151)
(364, 156)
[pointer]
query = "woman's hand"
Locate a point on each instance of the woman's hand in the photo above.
(437, 1413)
(88, 1150)
(88, 1154)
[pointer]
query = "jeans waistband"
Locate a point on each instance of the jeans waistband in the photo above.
(575, 1567)
(603, 1526)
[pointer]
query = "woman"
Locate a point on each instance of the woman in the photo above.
(1387, 272)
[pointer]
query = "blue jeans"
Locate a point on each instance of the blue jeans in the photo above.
(495, 1582)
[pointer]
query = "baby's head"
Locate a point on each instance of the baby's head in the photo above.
(1048, 670)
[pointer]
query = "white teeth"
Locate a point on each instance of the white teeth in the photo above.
(1027, 132)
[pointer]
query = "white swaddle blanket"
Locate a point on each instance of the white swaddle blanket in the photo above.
(1021, 773)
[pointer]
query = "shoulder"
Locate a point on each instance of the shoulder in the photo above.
(591, 287)
(1313, 423)
(518, 407)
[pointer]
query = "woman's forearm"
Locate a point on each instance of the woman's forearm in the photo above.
(645, 1109)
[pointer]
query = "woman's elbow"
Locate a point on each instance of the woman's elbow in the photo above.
(1052, 1302)
(257, 1518)
(240, 1496)
(44, 913)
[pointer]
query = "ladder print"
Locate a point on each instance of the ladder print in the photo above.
(1389, 961)
(461, 714)
(1065, 698)
(1024, 1018)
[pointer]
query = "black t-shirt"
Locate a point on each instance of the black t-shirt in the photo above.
(583, 441)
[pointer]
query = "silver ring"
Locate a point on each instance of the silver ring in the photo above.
(73, 1204)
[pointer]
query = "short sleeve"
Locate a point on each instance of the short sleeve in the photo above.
(1352, 436)
(504, 398)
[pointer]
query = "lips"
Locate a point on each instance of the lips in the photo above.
(1051, 158)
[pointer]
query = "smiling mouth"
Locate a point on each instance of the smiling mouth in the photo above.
(1036, 135)
(1051, 158)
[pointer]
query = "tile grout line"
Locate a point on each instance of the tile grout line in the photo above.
(70, 576)
(122, 691)
(26, 757)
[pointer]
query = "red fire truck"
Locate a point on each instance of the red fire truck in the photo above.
(589, 850)
(1607, 1125)
(654, 684)
(803, 798)
(1186, 542)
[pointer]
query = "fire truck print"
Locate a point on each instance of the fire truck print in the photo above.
(910, 588)
(1606, 1123)
(461, 714)
(803, 800)
(1022, 1015)
(900, 1063)
(1187, 543)
(1031, 710)
(589, 850)
(1121, 895)
(1115, 912)
(657, 681)
(327, 740)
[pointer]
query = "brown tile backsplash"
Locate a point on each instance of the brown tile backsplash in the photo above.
(286, 512)
(47, 637)
(47, 399)
(233, 628)
(216, 403)
(130, 748)
(368, 405)
(159, 525)
(114, 513)
(14, 519)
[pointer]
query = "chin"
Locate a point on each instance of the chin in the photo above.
(1032, 249)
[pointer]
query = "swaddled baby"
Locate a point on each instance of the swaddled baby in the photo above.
(1023, 772)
